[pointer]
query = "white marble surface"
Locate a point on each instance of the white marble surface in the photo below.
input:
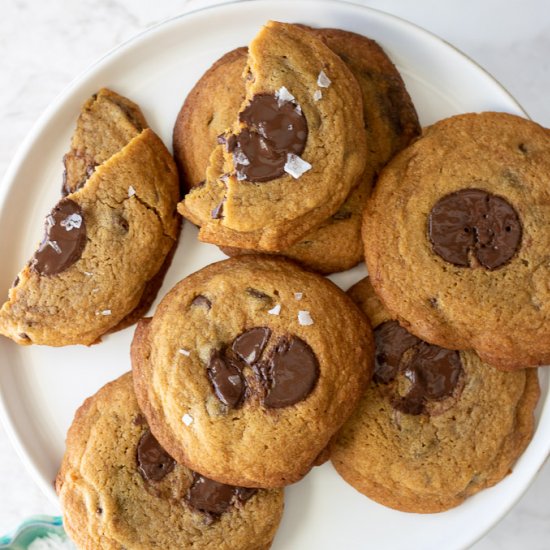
(45, 44)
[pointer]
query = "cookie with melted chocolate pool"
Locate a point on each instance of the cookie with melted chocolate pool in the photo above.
(390, 123)
(108, 241)
(118, 487)
(249, 367)
(456, 238)
(286, 161)
(435, 425)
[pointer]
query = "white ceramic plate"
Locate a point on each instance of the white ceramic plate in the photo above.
(42, 387)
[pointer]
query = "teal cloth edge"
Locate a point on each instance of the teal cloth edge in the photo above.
(31, 529)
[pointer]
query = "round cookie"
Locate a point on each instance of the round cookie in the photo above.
(289, 161)
(390, 123)
(456, 238)
(248, 368)
(108, 241)
(435, 426)
(118, 488)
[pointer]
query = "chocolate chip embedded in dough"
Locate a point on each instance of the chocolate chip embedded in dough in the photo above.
(214, 498)
(201, 301)
(154, 463)
(251, 343)
(392, 341)
(290, 373)
(472, 225)
(64, 241)
(275, 128)
(224, 373)
(433, 372)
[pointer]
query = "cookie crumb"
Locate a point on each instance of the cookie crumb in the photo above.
(296, 166)
(298, 295)
(284, 96)
(131, 191)
(185, 352)
(323, 81)
(317, 95)
(304, 318)
(187, 419)
(275, 310)
(71, 222)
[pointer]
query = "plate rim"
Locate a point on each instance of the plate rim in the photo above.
(57, 102)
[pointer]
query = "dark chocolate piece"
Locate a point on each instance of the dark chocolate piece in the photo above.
(392, 341)
(224, 373)
(290, 373)
(250, 344)
(214, 498)
(154, 463)
(433, 373)
(201, 301)
(64, 240)
(472, 223)
(274, 129)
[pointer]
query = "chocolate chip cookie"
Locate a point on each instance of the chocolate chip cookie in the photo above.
(108, 241)
(295, 150)
(456, 238)
(248, 367)
(436, 425)
(118, 488)
(390, 122)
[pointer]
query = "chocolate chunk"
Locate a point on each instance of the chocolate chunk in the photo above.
(224, 373)
(64, 241)
(154, 463)
(473, 224)
(290, 373)
(214, 498)
(433, 373)
(392, 341)
(250, 344)
(201, 301)
(15, 282)
(275, 128)
(258, 294)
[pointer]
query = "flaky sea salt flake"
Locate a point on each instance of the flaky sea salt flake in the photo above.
(71, 222)
(317, 95)
(240, 158)
(304, 318)
(185, 352)
(131, 191)
(283, 96)
(296, 166)
(275, 310)
(323, 81)
(55, 246)
(104, 312)
(298, 295)
(187, 419)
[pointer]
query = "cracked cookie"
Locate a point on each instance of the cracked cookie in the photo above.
(248, 367)
(390, 122)
(289, 160)
(456, 242)
(118, 488)
(108, 241)
(435, 425)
